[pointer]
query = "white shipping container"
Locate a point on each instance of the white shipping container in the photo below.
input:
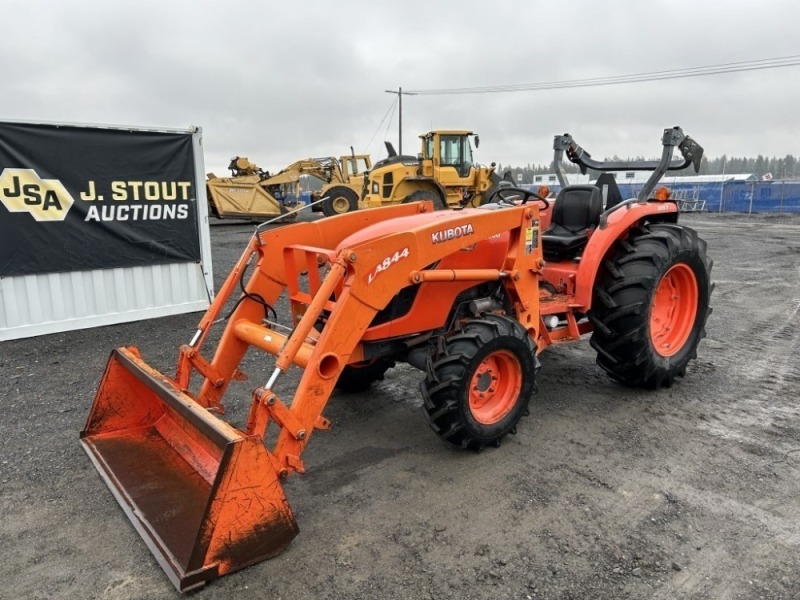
(38, 304)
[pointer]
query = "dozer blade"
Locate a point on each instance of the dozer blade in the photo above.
(204, 496)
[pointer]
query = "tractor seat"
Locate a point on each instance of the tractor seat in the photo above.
(576, 210)
(609, 189)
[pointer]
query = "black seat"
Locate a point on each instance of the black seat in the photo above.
(576, 210)
(611, 195)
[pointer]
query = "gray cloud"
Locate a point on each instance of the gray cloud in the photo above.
(282, 81)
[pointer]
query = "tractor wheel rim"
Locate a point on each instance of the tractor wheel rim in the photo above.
(673, 310)
(340, 205)
(495, 387)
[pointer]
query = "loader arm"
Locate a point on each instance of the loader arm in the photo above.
(267, 251)
(369, 275)
(327, 169)
(206, 497)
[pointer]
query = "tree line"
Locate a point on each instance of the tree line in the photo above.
(762, 166)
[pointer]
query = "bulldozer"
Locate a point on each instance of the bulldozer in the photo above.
(252, 193)
(471, 297)
(443, 173)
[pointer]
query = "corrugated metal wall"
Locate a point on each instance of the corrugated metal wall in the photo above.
(40, 304)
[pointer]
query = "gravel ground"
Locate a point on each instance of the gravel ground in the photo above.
(605, 492)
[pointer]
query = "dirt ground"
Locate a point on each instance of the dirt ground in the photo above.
(605, 492)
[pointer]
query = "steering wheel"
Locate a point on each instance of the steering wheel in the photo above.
(503, 194)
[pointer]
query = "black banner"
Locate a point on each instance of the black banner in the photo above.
(80, 198)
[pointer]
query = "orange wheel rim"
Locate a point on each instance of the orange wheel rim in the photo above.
(673, 311)
(495, 387)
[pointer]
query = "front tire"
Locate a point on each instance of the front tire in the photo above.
(340, 200)
(650, 306)
(478, 384)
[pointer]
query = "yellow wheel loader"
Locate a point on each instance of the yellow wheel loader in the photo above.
(443, 172)
(253, 193)
(343, 190)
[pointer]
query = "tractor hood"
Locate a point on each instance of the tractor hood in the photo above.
(383, 228)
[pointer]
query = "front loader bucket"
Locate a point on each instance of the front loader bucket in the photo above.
(204, 496)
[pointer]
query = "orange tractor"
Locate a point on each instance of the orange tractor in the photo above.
(468, 296)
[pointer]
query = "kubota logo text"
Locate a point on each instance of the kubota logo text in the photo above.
(21, 190)
(450, 234)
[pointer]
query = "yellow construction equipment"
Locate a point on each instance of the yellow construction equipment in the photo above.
(344, 186)
(443, 172)
(253, 193)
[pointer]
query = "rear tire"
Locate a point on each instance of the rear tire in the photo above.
(340, 200)
(478, 385)
(651, 303)
(421, 195)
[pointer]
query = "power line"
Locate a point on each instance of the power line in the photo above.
(389, 122)
(378, 128)
(732, 67)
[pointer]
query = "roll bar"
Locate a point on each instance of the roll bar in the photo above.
(691, 151)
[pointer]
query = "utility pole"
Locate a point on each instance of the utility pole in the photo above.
(399, 91)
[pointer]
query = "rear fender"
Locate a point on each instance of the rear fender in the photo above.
(617, 225)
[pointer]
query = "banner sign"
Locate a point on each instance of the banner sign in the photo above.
(81, 198)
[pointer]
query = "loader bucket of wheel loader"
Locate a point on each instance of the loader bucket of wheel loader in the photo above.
(204, 496)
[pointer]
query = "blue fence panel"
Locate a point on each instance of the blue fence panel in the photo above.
(731, 196)
(763, 196)
(736, 197)
(785, 196)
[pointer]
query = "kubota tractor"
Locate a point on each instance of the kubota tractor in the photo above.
(468, 296)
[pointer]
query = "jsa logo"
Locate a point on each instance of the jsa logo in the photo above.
(386, 263)
(21, 190)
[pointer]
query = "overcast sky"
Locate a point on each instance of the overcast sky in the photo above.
(279, 81)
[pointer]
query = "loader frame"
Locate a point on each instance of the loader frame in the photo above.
(360, 292)
(207, 497)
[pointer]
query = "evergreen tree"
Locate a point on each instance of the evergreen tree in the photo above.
(787, 167)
